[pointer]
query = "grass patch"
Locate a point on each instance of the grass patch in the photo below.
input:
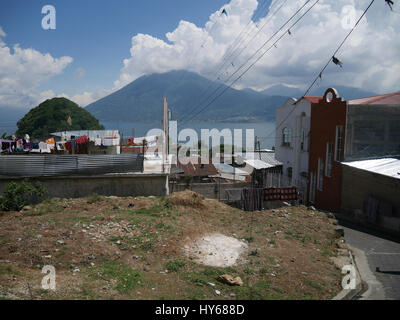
(212, 272)
(313, 284)
(61, 252)
(126, 278)
(87, 292)
(175, 265)
(93, 198)
(263, 271)
(261, 290)
(254, 253)
(143, 241)
(8, 270)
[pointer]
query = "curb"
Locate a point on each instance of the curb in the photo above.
(350, 294)
(373, 288)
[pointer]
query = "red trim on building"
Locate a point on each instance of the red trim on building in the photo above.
(390, 98)
(312, 99)
(326, 115)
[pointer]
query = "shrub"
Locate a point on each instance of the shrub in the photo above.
(17, 195)
(175, 265)
(94, 197)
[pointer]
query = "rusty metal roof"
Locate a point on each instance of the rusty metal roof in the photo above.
(390, 98)
(194, 170)
(313, 99)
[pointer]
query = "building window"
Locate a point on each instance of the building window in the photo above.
(320, 177)
(286, 137)
(303, 139)
(312, 187)
(338, 144)
(329, 154)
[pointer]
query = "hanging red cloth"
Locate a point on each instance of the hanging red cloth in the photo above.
(82, 140)
(68, 146)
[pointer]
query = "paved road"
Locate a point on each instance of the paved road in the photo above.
(379, 252)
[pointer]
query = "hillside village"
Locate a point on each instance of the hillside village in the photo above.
(334, 166)
(207, 214)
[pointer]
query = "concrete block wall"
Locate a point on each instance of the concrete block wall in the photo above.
(209, 190)
(357, 184)
(121, 185)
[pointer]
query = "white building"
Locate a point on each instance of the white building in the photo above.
(292, 141)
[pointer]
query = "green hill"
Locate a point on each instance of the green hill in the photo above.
(52, 115)
(141, 100)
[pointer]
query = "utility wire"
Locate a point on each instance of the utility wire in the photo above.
(251, 57)
(233, 47)
(208, 33)
(341, 44)
(279, 30)
(257, 33)
(262, 55)
(230, 51)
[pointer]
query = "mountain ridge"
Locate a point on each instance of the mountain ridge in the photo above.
(142, 100)
(187, 92)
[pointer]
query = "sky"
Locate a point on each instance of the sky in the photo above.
(98, 47)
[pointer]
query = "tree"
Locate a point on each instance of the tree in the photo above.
(57, 114)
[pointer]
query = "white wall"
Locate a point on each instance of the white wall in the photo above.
(298, 119)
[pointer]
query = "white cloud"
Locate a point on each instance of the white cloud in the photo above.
(79, 73)
(370, 56)
(88, 97)
(22, 71)
(82, 99)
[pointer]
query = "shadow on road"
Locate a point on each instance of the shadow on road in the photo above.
(397, 273)
(367, 230)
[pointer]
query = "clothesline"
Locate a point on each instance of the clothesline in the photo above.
(78, 144)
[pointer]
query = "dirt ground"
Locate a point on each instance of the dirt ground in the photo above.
(134, 248)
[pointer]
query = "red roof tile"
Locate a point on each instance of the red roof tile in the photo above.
(391, 98)
(313, 99)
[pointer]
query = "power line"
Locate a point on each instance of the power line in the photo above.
(262, 55)
(204, 100)
(251, 57)
(341, 44)
(257, 33)
(336, 51)
(201, 47)
(229, 52)
(280, 29)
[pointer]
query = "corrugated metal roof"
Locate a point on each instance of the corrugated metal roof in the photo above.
(229, 176)
(194, 169)
(89, 133)
(267, 157)
(386, 166)
(390, 98)
(226, 168)
(258, 164)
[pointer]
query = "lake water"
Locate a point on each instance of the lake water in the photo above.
(263, 130)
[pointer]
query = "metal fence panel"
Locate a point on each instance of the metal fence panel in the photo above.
(57, 165)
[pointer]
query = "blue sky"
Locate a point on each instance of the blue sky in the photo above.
(97, 34)
(100, 46)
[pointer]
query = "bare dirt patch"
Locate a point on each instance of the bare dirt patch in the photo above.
(132, 248)
(215, 250)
